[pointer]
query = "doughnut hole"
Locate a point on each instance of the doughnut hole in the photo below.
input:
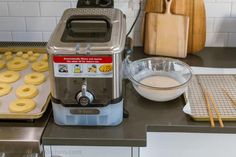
(34, 77)
(17, 63)
(8, 75)
(26, 90)
(21, 104)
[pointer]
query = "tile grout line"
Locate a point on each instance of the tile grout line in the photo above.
(8, 12)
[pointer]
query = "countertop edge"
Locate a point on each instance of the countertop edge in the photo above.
(96, 142)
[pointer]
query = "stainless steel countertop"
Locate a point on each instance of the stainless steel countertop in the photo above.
(23, 137)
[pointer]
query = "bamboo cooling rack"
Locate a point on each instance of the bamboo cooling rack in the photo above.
(216, 85)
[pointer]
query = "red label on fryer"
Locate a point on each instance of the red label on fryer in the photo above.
(82, 59)
(83, 66)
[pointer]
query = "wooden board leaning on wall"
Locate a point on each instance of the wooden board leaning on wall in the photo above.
(195, 9)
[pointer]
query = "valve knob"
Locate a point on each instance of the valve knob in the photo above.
(84, 98)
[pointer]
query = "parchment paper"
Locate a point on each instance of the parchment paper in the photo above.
(40, 99)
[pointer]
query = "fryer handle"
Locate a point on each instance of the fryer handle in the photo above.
(88, 17)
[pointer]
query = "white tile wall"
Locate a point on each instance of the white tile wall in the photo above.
(26, 36)
(5, 36)
(23, 8)
(218, 9)
(40, 24)
(46, 36)
(3, 9)
(34, 20)
(12, 24)
(53, 8)
(221, 23)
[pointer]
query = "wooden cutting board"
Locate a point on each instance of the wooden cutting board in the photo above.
(155, 6)
(195, 9)
(166, 34)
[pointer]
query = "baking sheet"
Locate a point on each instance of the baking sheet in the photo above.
(42, 99)
(214, 79)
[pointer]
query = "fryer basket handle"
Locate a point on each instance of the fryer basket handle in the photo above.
(86, 18)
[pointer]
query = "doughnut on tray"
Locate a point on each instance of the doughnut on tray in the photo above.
(42, 99)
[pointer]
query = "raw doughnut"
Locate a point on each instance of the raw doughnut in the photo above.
(25, 56)
(19, 53)
(45, 57)
(8, 53)
(2, 64)
(32, 58)
(26, 91)
(22, 106)
(17, 58)
(8, 57)
(40, 66)
(17, 64)
(30, 53)
(36, 55)
(9, 76)
(4, 89)
(34, 78)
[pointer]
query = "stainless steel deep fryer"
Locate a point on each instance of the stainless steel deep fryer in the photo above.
(85, 52)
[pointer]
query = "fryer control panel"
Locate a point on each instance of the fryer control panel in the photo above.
(95, 4)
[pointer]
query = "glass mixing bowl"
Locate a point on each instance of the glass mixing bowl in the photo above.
(157, 78)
